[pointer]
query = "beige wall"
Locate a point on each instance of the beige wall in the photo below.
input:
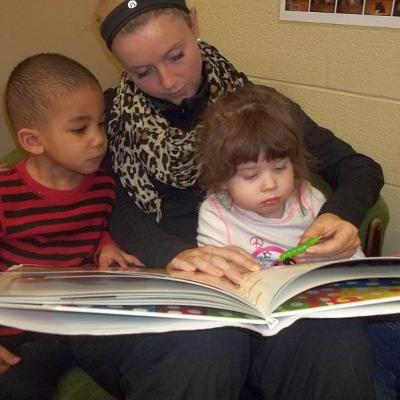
(64, 26)
(346, 78)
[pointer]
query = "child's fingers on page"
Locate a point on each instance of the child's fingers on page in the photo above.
(120, 261)
(132, 259)
(103, 262)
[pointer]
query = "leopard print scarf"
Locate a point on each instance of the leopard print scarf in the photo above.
(143, 144)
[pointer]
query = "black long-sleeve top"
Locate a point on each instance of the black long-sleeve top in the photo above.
(356, 181)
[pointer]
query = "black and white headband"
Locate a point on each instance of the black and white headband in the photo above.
(128, 10)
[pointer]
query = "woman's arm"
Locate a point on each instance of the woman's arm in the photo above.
(138, 233)
(356, 179)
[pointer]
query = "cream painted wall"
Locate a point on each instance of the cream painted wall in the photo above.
(29, 27)
(346, 78)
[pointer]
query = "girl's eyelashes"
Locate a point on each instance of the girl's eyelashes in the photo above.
(248, 177)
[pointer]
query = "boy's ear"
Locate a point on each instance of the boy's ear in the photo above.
(30, 140)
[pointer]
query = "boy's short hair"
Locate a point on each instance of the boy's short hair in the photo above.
(240, 126)
(38, 83)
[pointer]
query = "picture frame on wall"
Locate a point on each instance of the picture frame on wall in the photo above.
(378, 13)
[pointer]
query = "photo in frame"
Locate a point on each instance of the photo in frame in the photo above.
(378, 13)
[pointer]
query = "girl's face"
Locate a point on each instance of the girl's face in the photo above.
(263, 186)
(162, 57)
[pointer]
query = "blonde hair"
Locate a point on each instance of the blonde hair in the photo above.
(104, 8)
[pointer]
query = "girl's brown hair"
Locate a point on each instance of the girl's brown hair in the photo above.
(243, 125)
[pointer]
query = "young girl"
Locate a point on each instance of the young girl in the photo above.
(255, 168)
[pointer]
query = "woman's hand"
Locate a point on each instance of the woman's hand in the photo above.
(111, 254)
(229, 261)
(339, 239)
(7, 360)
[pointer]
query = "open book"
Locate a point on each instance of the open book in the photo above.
(137, 300)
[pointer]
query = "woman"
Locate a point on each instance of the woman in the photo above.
(153, 115)
(171, 78)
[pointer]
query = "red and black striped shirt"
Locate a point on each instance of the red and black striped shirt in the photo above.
(44, 226)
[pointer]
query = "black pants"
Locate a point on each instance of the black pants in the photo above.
(45, 358)
(312, 360)
(193, 365)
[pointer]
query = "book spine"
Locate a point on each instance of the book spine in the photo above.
(271, 322)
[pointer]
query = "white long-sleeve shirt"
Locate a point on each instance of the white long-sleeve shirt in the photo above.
(221, 223)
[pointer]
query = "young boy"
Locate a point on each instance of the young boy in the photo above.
(54, 204)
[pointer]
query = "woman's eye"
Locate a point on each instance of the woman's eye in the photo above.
(176, 57)
(80, 129)
(142, 74)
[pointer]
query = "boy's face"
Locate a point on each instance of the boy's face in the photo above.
(74, 140)
(263, 186)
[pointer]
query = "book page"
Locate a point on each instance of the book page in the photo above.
(338, 272)
(137, 286)
(259, 294)
(269, 288)
(341, 295)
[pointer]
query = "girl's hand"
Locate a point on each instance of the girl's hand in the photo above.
(111, 254)
(339, 239)
(7, 360)
(229, 261)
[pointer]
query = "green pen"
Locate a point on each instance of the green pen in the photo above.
(300, 249)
